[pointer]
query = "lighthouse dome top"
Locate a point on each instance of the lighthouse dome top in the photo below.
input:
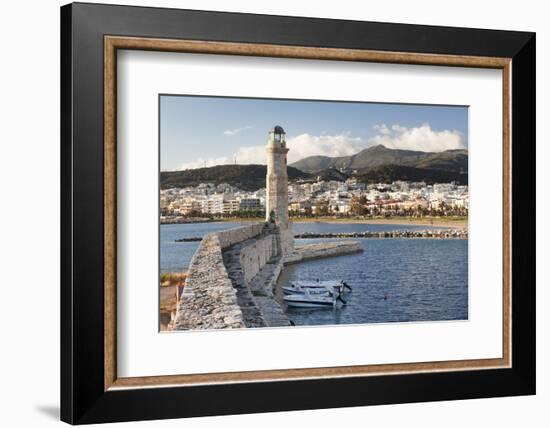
(277, 129)
(277, 137)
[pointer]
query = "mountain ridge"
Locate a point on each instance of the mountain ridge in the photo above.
(390, 173)
(374, 164)
(455, 160)
(246, 177)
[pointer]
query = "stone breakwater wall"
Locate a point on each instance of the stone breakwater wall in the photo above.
(254, 255)
(232, 275)
(253, 267)
(323, 250)
(209, 300)
(238, 234)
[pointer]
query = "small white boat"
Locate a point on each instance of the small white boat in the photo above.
(289, 289)
(315, 287)
(309, 299)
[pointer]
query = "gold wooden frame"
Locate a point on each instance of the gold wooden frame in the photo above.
(113, 43)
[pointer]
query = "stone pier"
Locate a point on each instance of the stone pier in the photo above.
(233, 274)
(323, 249)
(254, 266)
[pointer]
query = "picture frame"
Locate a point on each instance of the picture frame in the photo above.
(91, 391)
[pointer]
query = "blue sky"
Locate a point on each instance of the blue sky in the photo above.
(205, 131)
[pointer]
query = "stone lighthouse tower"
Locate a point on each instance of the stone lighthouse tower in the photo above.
(276, 208)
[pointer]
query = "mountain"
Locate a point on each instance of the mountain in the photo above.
(375, 164)
(451, 160)
(245, 177)
(391, 173)
(330, 174)
(316, 163)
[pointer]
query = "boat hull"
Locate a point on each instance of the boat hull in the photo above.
(317, 284)
(309, 304)
(298, 291)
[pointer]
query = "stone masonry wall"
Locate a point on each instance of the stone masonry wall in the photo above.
(239, 234)
(243, 262)
(254, 256)
(231, 277)
(209, 300)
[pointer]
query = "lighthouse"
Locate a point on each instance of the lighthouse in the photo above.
(277, 188)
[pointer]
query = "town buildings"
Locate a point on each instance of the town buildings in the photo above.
(320, 198)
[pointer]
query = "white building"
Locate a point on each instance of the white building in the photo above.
(250, 204)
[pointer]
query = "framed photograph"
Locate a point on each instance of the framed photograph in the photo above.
(276, 213)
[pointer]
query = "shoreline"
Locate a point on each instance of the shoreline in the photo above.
(425, 221)
(436, 221)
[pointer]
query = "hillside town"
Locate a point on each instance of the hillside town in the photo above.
(318, 199)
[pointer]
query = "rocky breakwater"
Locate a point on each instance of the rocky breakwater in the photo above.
(209, 300)
(430, 233)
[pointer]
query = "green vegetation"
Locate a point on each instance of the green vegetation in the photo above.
(391, 173)
(376, 156)
(245, 177)
(376, 164)
(436, 217)
(172, 278)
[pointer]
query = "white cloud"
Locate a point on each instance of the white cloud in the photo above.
(305, 145)
(301, 146)
(235, 131)
(202, 163)
(422, 138)
(252, 154)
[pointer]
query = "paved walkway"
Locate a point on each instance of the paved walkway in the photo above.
(262, 290)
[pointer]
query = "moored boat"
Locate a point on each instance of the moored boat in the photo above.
(310, 299)
(316, 287)
(290, 290)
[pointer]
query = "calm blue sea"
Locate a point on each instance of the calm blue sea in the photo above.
(422, 279)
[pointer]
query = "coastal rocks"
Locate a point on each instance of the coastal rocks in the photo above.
(429, 233)
(191, 239)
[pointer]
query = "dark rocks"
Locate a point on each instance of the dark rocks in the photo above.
(430, 233)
